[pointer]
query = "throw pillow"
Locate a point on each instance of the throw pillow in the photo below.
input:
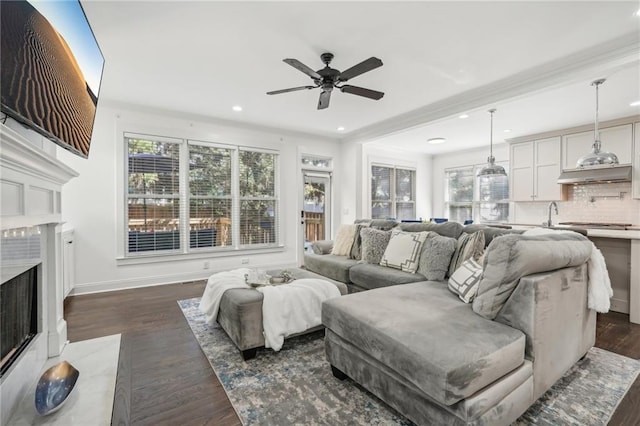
(344, 240)
(403, 251)
(465, 280)
(356, 247)
(470, 246)
(374, 243)
(436, 256)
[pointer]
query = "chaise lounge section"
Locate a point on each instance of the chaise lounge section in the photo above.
(438, 360)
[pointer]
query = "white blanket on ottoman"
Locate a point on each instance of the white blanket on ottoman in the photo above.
(293, 308)
(286, 309)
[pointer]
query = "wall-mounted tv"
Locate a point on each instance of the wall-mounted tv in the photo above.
(50, 70)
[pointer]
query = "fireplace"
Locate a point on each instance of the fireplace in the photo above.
(18, 316)
(31, 180)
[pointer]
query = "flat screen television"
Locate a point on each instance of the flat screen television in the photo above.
(50, 70)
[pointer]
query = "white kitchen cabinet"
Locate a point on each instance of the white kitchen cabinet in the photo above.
(535, 167)
(616, 139)
(636, 162)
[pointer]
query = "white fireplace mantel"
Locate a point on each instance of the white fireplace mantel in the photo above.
(31, 181)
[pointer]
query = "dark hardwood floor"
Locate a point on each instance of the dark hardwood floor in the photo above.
(165, 379)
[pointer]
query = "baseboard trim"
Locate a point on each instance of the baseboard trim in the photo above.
(620, 305)
(149, 281)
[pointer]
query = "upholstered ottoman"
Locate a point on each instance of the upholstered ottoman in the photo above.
(240, 313)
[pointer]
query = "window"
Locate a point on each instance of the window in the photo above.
(470, 198)
(392, 192)
(186, 196)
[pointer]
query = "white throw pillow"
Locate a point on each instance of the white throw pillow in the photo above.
(465, 280)
(344, 240)
(403, 250)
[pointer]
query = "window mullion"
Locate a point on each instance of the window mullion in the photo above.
(235, 202)
(183, 188)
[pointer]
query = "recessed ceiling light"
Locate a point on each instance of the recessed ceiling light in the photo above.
(236, 108)
(464, 116)
(506, 130)
(638, 12)
(436, 140)
(340, 129)
(636, 103)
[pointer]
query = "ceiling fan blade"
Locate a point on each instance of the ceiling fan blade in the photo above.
(361, 68)
(302, 67)
(293, 89)
(325, 96)
(361, 91)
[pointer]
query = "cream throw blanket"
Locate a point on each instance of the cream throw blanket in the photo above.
(599, 287)
(286, 309)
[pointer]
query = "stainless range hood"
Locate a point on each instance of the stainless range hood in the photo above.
(596, 174)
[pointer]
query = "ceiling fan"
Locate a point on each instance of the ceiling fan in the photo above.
(328, 78)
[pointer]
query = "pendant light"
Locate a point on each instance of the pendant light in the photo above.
(597, 157)
(491, 169)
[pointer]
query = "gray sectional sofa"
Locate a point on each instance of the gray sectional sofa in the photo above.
(438, 360)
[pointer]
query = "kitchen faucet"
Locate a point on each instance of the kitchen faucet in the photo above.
(548, 223)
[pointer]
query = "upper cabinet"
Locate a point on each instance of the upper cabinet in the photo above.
(535, 167)
(617, 139)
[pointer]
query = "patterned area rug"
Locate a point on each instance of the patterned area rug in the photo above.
(295, 385)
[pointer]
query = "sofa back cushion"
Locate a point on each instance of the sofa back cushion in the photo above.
(374, 243)
(512, 257)
(468, 246)
(403, 250)
(490, 232)
(446, 229)
(383, 224)
(436, 256)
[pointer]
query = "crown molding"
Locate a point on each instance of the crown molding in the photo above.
(599, 60)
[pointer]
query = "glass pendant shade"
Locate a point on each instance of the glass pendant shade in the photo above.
(597, 157)
(491, 169)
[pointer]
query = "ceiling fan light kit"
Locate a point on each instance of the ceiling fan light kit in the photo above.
(492, 169)
(329, 78)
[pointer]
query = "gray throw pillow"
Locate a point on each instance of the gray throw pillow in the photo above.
(469, 246)
(374, 243)
(436, 256)
(356, 247)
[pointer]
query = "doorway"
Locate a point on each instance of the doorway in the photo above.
(316, 207)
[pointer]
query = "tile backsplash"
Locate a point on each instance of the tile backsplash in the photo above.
(605, 202)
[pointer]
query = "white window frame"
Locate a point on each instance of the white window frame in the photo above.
(126, 257)
(392, 186)
(475, 203)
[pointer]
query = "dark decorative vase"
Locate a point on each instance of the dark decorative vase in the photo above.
(54, 387)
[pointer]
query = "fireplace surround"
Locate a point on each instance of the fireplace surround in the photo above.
(31, 181)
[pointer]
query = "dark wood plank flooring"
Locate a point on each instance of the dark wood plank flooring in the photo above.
(165, 379)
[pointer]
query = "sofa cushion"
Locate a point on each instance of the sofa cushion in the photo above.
(490, 232)
(428, 337)
(383, 224)
(511, 257)
(403, 250)
(469, 246)
(344, 240)
(446, 229)
(356, 247)
(329, 265)
(436, 256)
(374, 243)
(367, 276)
(465, 280)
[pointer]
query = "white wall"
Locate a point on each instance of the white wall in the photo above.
(93, 203)
(459, 159)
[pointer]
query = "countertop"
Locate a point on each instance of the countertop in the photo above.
(631, 233)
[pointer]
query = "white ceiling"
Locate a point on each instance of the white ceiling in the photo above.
(531, 60)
